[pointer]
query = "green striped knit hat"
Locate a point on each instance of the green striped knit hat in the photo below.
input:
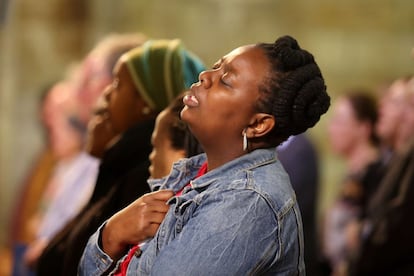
(162, 69)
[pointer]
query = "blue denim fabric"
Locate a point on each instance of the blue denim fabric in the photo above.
(239, 219)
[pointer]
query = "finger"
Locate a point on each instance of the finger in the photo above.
(156, 218)
(162, 195)
(152, 229)
(156, 206)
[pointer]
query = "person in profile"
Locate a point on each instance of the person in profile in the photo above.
(145, 80)
(230, 210)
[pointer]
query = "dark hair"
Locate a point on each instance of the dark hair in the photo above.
(294, 91)
(180, 135)
(365, 108)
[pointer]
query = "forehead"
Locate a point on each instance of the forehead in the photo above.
(397, 92)
(247, 59)
(343, 104)
(161, 123)
(119, 65)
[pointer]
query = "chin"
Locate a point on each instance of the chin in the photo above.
(184, 114)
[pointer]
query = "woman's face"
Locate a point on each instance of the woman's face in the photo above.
(94, 77)
(222, 103)
(391, 111)
(100, 132)
(163, 155)
(123, 101)
(344, 129)
(119, 108)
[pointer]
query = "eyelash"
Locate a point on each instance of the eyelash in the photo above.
(215, 67)
(223, 82)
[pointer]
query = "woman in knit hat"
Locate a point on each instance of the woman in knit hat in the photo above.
(145, 80)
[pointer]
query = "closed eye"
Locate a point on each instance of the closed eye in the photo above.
(224, 80)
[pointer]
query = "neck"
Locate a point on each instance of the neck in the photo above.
(216, 158)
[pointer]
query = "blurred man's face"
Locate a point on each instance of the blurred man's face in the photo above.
(391, 112)
(406, 126)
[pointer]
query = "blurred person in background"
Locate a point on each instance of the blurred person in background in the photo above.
(97, 66)
(37, 177)
(145, 80)
(26, 205)
(74, 175)
(386, 246)
(88, 81)
(300, 160)
(391, 112)
(351, 133)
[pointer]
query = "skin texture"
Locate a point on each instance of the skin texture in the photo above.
(135, 223)
(226, 96)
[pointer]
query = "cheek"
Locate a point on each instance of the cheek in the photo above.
(340, 137)
(228, 115)
(410, 118)
(118, 117)
(157, 167)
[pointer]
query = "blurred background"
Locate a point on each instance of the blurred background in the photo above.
(356, 43)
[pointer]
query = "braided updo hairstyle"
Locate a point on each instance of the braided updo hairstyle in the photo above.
(294, 91)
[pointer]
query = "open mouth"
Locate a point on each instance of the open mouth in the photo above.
(190, 100)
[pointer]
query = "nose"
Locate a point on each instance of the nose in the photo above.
(205, 79)
(106, 94)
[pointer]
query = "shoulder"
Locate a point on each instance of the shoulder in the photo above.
(268, 184)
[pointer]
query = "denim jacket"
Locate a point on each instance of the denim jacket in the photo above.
(239, 219)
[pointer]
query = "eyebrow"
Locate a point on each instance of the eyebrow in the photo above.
(227, 67)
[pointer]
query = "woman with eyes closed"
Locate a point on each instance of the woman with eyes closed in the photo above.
(233, 211)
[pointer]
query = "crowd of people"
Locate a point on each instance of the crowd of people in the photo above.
(156, 165)
(365, 232)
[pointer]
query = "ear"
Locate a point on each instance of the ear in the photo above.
(260, 125)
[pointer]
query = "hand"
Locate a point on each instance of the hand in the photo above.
(135, 223)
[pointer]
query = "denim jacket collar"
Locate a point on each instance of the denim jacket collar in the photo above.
(185, 170)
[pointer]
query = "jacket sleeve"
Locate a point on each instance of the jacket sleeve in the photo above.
(94, 260)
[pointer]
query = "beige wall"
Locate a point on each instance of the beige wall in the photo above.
(356, 43)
